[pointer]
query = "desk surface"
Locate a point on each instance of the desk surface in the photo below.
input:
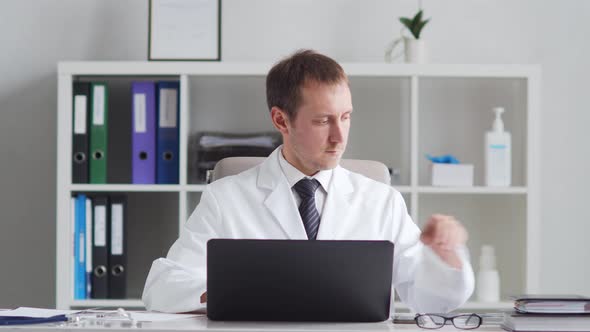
(201, 323)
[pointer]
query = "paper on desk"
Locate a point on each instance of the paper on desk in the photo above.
(36, 312)
(149, 316)
(140, 316)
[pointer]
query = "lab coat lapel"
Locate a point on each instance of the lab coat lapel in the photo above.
(280, 201)
(337, 206)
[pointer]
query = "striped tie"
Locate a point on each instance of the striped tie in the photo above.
(309, 214)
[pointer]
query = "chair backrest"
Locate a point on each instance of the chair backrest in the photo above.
(372, 169)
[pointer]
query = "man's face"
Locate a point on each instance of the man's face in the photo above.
(316, 138)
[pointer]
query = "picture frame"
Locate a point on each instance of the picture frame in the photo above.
(184, 30)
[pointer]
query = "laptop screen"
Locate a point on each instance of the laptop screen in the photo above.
(299, 280)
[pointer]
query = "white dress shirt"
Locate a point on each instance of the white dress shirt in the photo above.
(294, 175)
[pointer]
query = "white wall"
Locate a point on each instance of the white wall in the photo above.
(35, 35)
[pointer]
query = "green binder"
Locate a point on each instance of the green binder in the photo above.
(99, 133)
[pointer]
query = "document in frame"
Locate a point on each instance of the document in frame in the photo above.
(184, 30)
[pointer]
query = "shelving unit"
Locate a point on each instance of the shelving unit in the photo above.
(401, 113)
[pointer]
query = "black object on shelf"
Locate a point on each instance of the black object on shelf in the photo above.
(208, 147)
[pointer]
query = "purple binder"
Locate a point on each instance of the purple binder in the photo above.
(143, 162)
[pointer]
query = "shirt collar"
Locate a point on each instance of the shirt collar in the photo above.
(293, 175)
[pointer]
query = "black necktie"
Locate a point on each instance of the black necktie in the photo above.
(309, 214)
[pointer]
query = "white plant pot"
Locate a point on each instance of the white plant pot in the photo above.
(415, 50)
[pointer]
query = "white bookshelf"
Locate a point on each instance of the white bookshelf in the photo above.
(405, 110)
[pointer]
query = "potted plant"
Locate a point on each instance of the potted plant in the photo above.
(414, 47)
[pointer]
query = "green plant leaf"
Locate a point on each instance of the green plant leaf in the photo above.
(418, 15)
(417, 19)
(419, 28)
(406, 22)
(415, 31)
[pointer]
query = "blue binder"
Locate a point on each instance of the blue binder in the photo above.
(167, 99)
(80, 248)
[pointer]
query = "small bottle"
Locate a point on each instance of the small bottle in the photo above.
(498, 151)
(488, 279)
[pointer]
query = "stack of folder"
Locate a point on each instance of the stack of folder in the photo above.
(548, 313)
(99, 235)
(145, 122)
(209, 147)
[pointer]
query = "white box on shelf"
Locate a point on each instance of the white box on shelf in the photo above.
(455, 175)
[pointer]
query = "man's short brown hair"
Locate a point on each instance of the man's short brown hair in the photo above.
(286, 78)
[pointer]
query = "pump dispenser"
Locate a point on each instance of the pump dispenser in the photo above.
(498, 152)
(488, 279)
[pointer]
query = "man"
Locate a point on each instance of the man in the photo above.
(300, 192)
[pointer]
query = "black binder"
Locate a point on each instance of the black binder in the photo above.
(119, 136)
(118, 248)
(80, 118)
(100, 248)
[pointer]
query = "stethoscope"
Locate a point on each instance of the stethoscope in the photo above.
(25, 320)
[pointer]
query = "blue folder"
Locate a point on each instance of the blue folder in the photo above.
(80, 248)
(167, 98)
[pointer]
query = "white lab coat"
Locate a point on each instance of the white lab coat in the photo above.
(259, 204)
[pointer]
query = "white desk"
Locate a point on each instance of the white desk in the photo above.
(201, 323)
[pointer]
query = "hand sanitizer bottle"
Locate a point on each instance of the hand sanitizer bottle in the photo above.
(488, 279)
(498, 153)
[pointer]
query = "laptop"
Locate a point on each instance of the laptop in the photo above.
(299, 280)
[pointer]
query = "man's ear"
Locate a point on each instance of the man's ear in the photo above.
(280, 120)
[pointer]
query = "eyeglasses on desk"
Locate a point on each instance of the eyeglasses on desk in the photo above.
(436, 321)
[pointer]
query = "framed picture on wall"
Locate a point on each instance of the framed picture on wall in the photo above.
(184, 30)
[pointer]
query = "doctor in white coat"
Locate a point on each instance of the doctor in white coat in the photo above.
(310, 104)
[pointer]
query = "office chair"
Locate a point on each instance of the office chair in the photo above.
(233, 165)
